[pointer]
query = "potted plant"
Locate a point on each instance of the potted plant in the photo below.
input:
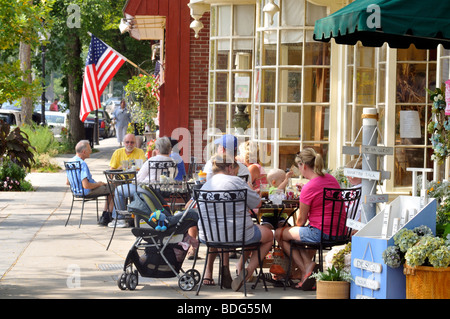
(334, 282)
(426, 261)
(142, 91)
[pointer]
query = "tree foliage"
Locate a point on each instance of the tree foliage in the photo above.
(20, 21)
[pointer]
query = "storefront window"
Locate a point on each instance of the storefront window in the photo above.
(293, 100)
(231, 71)
(361, 89)
(416, 71)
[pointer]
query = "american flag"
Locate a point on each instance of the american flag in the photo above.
(102, 64)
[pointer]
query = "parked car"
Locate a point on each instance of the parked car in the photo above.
(11, 117)
(56, 121)
(106, 126)
(16, 106)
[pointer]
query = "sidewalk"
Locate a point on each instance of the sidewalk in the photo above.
(40, 258)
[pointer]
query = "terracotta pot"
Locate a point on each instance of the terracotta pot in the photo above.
(423, 282)
(332, 290)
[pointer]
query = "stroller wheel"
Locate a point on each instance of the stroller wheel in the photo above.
(121, 282)
(186, 282)
(132, 281)
(194, 273)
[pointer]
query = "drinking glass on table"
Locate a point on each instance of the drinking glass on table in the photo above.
(264, 191)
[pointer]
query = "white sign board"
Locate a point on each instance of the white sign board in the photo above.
(377, 150)
(364, 174)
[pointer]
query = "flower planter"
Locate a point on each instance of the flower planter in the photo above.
(332, 289)
(423, 282)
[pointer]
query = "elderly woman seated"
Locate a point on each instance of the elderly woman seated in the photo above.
(224, 178)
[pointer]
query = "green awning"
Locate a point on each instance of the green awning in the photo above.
(400, 23)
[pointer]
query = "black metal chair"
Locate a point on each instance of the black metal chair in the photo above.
(244, 177)
(342, 204)
(220, 212)
(157, 168)
(168, 168)
(122, 186)
(73, 171)
(192, 168)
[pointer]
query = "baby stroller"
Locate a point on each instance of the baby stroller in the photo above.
(158, 252)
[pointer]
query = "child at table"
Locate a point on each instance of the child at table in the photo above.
(277, 179)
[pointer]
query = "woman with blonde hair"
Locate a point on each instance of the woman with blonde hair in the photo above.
(311, 167)
(224, 178)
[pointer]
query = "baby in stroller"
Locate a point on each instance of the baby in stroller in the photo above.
(159, 252)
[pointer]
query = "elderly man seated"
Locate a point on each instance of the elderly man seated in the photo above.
(126, 153)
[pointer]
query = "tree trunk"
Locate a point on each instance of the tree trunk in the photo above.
(75, 84)
(25, 66)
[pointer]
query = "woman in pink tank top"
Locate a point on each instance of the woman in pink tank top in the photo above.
(311, 167)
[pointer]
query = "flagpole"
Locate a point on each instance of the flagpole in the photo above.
(131, 62)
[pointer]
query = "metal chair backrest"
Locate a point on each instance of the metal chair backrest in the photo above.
(73, 171)
(223, 215)
(244, 177)
(158, 168)
(192, 168)
(340, 205)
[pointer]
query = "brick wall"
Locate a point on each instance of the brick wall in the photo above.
(198, 82)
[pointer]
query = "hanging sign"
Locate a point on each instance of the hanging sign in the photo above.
(447, 97)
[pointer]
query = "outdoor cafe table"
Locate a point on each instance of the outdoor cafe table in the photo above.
(290, 207)
(176, 193)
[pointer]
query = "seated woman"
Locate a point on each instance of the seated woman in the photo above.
(161, 153)
(224, 178)
(311, 201)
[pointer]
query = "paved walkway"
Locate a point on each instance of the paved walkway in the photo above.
(41, 258)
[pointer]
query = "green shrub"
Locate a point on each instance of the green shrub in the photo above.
(42, 139)
(12, 177)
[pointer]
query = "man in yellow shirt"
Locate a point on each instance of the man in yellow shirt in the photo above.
(129, 152)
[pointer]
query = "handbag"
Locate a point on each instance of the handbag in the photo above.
(280, 263)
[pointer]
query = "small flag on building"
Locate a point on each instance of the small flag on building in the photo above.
(102, 64)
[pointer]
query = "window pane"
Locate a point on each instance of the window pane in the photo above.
(268, 86)
(223, 58)
(241, 118)
(291, 54)
(244, 20)
(354, 123)
(241, 87)
(293, 13)
(221, 87)
(290, 86)
(221, 115)
(287, 156)
(420, 112)
(411, 54)
(289, 118)
(267, 123)
(242, 60)
(316, 123)
(365, 86)
(317, 53)
(411, 82)
(224, 21)
(269, 48)
(404, 158)
(317, 88)
(314, 13)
